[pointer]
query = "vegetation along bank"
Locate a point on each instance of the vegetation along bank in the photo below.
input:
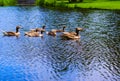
(98, 4)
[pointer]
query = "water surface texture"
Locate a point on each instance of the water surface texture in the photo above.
(95, 57)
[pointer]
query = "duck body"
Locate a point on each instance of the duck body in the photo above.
(69, 36)
(34, 34)
(31, 31)
(11, 33)
(52, 33)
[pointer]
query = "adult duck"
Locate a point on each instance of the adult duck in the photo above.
(12, 33)
(31, 31)
(74, 33)
(71, 35)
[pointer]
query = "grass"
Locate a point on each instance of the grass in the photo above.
(98, 5)
(8, 2)
(65, 3)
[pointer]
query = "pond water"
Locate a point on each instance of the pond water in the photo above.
(95, 57)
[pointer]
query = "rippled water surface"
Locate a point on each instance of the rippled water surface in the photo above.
(95, 57)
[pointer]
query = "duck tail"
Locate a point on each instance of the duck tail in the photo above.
(2, 31)
(47, 32)
(26, 33)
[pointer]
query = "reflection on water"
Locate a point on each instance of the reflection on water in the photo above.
(95, 57)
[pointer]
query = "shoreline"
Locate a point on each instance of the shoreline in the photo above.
(108, 5)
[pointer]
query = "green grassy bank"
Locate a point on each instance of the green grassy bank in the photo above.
(98, 5)
(8, 2)
(94, 4)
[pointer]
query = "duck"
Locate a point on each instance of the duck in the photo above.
(52, 33)
(60, 30)
(36, 29)
(72, 35)
(39, 29)
(12, 33)
(31, 31)
(34, 34)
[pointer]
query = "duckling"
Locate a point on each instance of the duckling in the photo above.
(36, 29)
(52, 33)
(60, 30)
(35, 34)
(11, 33)
(71, 35)
(39, 29)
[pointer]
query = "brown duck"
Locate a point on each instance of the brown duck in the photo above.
(39, 29)
(52, 33)
(59, 30)
(34, 34)
(11, 33)
(71, 35)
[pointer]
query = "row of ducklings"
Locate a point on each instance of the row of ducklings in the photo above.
(38, 32)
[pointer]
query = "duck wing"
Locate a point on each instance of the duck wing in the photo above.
(9, 33)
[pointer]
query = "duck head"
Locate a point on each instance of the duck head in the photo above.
(77, 30)
(64, 28)
(43, 26)
(17, 28)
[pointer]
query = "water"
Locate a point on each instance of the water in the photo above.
(95, 57)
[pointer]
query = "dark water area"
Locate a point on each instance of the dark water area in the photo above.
(95, 57)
